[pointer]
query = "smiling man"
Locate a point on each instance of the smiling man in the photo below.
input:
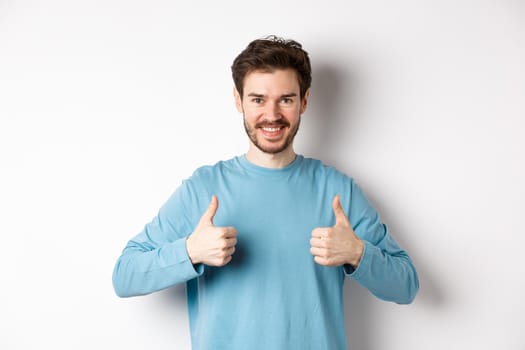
(265, 269)
(272, 112)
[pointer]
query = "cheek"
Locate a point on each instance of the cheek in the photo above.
(292, 115)
(250, 118)
(252, 113)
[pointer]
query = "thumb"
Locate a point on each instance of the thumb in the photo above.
(207, 217)
(340, 216)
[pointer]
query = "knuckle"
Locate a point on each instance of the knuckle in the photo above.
(230, 231)
(320, 260)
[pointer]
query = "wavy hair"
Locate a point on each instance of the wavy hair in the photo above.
(271, 53)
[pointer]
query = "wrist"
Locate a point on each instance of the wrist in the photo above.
(355, 258)
(190, 251)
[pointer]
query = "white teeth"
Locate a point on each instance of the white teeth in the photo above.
(271, 129)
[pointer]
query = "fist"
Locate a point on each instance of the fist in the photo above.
(210, 244)
(336, 245)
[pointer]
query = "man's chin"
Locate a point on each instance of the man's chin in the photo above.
(272, 149)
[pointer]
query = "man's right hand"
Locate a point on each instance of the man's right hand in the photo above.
(209, 244)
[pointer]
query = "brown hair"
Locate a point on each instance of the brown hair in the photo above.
(271, 53)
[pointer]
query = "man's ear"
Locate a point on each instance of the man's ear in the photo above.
(238, 100)
(304, 101)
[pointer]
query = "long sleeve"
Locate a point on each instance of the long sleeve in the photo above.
(385, 269)
(157, 258)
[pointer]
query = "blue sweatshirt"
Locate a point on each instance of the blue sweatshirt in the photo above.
(272, 295)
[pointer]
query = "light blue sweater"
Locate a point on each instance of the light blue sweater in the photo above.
(272, 295)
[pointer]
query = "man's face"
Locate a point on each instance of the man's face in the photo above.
(272, 108)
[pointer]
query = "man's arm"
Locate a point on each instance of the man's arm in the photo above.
(144, 269)
(387, 271)
(157, 257)
(174, 247)
(366, 250)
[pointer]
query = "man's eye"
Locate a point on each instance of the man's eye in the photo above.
(286, 100)
(257, 100)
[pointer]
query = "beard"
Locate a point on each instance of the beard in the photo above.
(276, 147)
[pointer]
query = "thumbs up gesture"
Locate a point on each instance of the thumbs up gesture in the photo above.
(209, 244)
(336, 245)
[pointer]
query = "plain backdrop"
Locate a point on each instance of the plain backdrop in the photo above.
(106, 106)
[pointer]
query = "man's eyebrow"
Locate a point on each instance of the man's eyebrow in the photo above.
(253, 94)
(291, 94)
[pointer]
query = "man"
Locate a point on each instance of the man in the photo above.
(265, 240)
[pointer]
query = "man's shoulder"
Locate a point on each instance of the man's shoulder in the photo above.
(320, 168)
(205, 171)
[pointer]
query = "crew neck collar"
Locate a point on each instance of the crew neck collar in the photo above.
(245, 163)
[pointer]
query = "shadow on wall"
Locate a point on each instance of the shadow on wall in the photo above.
(361, 309)
(431, 293)
(173, 298)
(323, 116)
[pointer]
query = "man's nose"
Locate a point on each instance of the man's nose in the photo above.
(272, 111)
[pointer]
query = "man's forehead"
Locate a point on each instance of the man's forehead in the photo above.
(272, 72)
(278, 81)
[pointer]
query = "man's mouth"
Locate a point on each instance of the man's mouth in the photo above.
(272, 129)
(272, 126)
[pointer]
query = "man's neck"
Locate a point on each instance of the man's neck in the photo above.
(268, 160)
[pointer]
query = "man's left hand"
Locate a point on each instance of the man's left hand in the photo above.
(336, 245)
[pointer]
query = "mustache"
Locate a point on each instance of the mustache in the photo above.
(276, 123)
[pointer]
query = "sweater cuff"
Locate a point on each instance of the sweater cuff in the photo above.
(363, 267)
(175, 254)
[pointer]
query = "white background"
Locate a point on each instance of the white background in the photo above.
(106, 106)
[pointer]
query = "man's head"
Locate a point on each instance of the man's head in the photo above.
(269, 54)
(272, 79)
